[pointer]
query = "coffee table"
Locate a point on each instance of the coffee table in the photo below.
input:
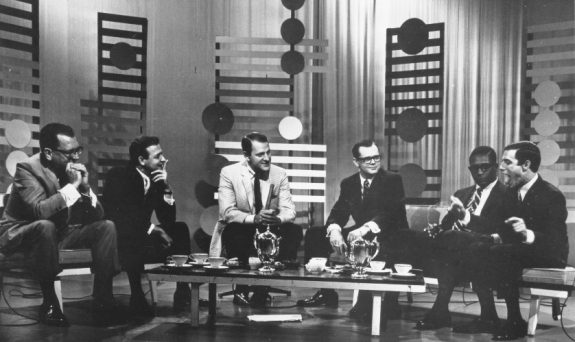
(378, 284)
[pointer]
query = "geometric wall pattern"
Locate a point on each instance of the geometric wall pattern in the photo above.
(118, 114)
(549, 116)
(19, 86)
(414, 107)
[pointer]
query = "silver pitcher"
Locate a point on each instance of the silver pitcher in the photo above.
(360, 252)
(267, 245)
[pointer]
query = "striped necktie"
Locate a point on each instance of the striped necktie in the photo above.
(365, 189)
(471, 207)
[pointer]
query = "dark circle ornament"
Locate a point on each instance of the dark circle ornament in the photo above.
(292, 62)
(218, 118)
(414, 179)
(411, 125)
(292, 31)
(413, 36)
(123, 56)
(293, 5)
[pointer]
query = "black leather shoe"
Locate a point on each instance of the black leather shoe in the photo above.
(432, 322)
(328, 298)
(51, 314)
(241, 299)
(478, 326)
(139, 307)
(512, 330)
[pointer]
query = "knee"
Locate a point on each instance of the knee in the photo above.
(107, 229)
(46, 228)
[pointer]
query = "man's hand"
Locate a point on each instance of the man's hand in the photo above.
(165, 239)
(74, 174)
(160, 175)
(357, 233)
(84, 186)
(269, 216)
(518, 226)
(457, 208)
(337, 242)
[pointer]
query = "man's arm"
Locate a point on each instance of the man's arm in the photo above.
(393, 215)
(37, 204)
(229, 211)
(341, 210)
(286, 206)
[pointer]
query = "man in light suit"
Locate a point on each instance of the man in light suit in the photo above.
(52, 207)
(253, 194)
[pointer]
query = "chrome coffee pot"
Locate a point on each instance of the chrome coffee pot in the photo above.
(360, 252)
(267, 245)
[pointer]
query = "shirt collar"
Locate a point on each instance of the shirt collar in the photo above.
(362, 180)
(146, 181)
(488, 187)
(523, 190)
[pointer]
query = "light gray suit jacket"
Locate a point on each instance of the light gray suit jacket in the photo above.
(236, 198)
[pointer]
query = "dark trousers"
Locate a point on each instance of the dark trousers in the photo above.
(238, 240)
(43, 241)
(149, 249)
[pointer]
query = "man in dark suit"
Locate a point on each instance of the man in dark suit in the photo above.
(374, 199)
(467, 229)
(535, 237)
(52, 207)
(131, 195)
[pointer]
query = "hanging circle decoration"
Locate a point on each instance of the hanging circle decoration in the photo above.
(547, 93)
(123, 56)
(414, 179)
(550, 151)
(18, 133)
(411, 125)
(550, 176)
(205, 193)
(546, 123)
(292, 62)
(292, 31)
(290, 128)
(293, 5)
(218, 118)
(214, 165)
(413, 36)
(14, 158)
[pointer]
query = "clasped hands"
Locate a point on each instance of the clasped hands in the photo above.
(267, 217)
(337, 242)
(78, 176)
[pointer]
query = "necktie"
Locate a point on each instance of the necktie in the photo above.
(365, 188)
(471, 206)
(257, 194)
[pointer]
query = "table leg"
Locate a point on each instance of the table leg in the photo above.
(376, 313)
(195, 305)
(212, 288)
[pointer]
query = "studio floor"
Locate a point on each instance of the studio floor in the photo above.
(319, 324)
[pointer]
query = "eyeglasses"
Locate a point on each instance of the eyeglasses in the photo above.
(369, 159)
(76, 152)
(483, 167)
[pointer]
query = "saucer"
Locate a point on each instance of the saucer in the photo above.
(384, 271)
(175, 266)
(211, 268)
(333, 270)
(403, 275)
(196, 263)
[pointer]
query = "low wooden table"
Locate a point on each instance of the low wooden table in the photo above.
(378, 284)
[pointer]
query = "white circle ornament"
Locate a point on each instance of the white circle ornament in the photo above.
(14, 158)
(18, 133)
(290, 128)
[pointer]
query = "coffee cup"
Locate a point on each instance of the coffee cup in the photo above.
(216, 262)
(199, 258)
(377, 265)
(403, 268)
(179, 260)
(254, 263)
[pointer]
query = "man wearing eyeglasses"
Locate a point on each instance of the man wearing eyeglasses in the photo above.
(374, 199)
(52, 207)
(475, 213)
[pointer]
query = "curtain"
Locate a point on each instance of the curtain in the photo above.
(482, 91)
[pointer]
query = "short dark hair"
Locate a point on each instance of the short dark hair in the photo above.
(139, 146)
(526, 150)
(482, 151)
(49, 134)
(247, 141)
(363, 143)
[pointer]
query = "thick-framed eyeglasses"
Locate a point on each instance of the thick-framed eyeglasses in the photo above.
(370, 159)
(73, 153)
(483, 167)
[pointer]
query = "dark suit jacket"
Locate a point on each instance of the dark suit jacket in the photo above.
(35, 197)
(544, 211)
(131, 210)
(498, 207)
(383, 204)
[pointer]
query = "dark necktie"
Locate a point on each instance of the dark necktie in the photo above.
(365, 188)
(257, 194)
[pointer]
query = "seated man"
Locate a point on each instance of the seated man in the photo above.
(52, 207)
(374, 199)
(253, 194)
(535, 237)
(467, 229)
(131, 195)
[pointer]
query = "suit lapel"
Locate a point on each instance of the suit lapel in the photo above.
(248, 186)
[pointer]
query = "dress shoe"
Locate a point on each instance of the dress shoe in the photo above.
(139, 307)
(109, 312)
(51, 314)
(478, 326)
(241, 299)
(434, 321)
(322, 297)
(182, 299)
(512, 330)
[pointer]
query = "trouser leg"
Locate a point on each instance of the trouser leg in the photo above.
(316, 244)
